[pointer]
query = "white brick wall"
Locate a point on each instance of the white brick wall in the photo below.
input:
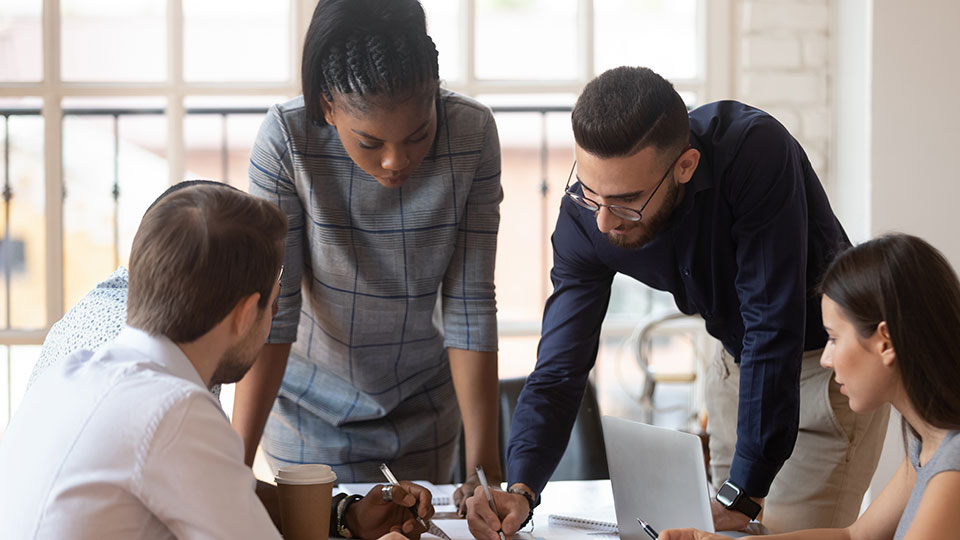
(783, 65)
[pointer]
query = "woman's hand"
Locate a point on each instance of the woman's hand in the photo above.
(465, 491)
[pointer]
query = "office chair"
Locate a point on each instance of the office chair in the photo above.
(704, 348)
(585, 457)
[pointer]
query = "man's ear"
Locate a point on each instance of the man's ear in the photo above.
(885, 345)
(328, 113)
(686, 165)
(245, 313)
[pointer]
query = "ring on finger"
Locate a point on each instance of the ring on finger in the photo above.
(387, 492)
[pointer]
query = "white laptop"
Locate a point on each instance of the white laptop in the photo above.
(659, 476)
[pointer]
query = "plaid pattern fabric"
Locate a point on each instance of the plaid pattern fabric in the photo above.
(368, 379)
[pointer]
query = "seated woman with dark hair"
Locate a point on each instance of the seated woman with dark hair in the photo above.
(891, 308)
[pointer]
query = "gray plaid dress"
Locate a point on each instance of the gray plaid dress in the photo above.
(377, 284)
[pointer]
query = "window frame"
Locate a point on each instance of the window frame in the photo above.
(714, 35)
(714, 31)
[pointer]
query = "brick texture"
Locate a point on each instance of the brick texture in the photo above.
(784, 67)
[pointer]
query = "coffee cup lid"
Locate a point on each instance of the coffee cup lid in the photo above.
(311, 473)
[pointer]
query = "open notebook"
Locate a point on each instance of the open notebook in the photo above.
(442, 494)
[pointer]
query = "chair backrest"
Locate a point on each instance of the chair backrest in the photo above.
(585, 457)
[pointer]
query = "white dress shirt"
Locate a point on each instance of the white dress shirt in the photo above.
(126, 443)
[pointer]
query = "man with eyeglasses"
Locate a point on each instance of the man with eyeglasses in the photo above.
(721, 208)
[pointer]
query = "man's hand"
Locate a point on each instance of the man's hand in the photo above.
(466, 489)
(688, 534)
(484, 524)
(729, 520)
(372, 517)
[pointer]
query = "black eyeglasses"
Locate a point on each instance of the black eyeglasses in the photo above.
(622, 212)
(276, 301)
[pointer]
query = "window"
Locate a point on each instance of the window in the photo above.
(538, 55)
(140, 94)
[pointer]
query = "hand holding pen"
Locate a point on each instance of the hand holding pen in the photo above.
(428, 525)
(489, 496)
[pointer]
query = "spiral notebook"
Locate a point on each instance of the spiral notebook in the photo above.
(602, 519)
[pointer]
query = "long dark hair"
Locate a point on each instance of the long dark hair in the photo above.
(366, 47)
(903, 280)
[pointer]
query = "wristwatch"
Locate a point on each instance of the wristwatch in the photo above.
(733, 498)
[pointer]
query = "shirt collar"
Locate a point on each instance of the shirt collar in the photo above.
(700, 181)
(162, 351)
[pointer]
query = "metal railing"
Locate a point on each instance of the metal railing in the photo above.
(116, 113)
(5, 248)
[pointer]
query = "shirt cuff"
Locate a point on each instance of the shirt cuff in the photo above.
(753, 477)
(530, 473)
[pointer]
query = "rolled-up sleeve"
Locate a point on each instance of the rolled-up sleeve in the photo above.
(469, 298)
(570, 337)
(271, 178)
(770, 232)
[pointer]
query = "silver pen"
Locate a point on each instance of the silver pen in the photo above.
(429, 526)
(486, 491)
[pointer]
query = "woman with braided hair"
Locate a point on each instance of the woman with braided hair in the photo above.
(386, 332)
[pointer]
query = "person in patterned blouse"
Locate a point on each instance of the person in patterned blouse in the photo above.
(387, 334)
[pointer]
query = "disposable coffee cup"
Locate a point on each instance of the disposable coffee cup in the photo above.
(305, 493)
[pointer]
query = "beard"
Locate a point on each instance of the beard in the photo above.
(636, 234)
(237, 360)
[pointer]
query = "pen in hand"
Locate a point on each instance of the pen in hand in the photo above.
(648, 529)
(431, 528)
(393, 481)
(486, 491)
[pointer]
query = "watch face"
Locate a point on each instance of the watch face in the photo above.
(728, 494)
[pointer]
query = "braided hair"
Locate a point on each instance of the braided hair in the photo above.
(364, 48)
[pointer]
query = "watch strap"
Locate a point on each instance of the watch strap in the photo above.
(747, 506)
(742, 503)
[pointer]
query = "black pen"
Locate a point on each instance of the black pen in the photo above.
(648, 529)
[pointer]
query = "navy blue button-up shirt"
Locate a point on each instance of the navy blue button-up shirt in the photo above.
(744, 249)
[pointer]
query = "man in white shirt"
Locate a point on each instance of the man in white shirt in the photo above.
(128, 442)
(98, 317)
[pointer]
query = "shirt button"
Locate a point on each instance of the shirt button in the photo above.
(685, 271)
